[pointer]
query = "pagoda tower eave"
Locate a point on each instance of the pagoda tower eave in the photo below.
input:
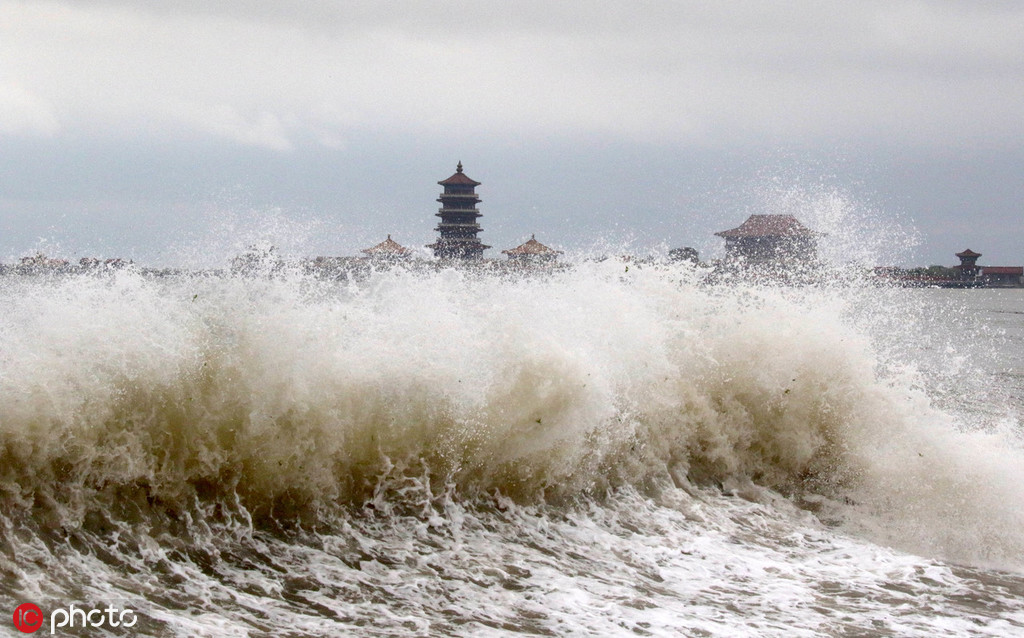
(465, 212)
(458, 240)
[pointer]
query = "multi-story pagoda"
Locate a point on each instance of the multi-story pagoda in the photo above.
(458, 227)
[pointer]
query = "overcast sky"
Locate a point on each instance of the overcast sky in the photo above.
(177, 131)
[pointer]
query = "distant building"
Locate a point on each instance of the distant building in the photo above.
(39, 260)
(532, 251)
(968, 268)
(1002, 275)
(257, 260)
(773, 239)
(970, 273)
(387, 249)
(684, 254)
(40, 263)
(458, 227)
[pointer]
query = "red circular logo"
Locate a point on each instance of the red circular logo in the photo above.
(28, 618)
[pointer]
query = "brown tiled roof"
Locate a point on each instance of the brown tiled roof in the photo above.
(1002, 270)
(531, 247)
(387, 247)
(768, 226)
(968, 253)
(459, 178)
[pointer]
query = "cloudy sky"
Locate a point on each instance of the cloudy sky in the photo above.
(178, 131)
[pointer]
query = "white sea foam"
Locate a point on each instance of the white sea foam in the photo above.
(635, 441)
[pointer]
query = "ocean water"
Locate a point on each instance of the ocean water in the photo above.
(610, 449)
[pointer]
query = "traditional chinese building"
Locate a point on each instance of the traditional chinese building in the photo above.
(776, 239)
(969, 272)
(968, 268)
(532, 251)
(458, 227)
(387, 249)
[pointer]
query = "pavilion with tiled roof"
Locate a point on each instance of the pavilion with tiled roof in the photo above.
(532, 250)
(968, 268)
(770, 238)
(389, 249)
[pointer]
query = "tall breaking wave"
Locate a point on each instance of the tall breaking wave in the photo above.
(287, 399)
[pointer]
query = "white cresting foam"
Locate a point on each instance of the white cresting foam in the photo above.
(294, 392)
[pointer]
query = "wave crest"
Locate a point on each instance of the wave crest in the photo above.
(293, 394)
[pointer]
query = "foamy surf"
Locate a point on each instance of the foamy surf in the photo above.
(605, 449)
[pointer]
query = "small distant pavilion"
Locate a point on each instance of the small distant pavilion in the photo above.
(968, 264)
(770, 238)
(387, 249)
(458, 227)
(532, 251)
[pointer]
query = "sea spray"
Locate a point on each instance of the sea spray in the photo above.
(285, 396)
(448, 452)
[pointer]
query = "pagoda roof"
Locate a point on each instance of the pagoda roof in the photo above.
(768, 226)
(459, 178)
(968, 253)
(531, 247)
(388, 247)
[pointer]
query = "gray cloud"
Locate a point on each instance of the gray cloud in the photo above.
(273, 73)
(213, 94)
